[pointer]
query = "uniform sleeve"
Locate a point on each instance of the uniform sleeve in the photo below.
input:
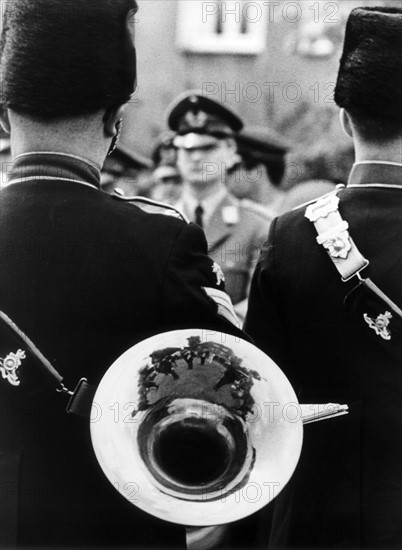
(264, 320)
(262, 231)
(258, 240)
(193, 290)
(258, 243)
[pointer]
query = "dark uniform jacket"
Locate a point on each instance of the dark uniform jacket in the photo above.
(347, 489)
(85, 276)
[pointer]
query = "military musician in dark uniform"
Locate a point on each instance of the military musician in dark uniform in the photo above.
(83, 274)
(338, 335)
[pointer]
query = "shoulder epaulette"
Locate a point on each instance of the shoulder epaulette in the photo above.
(150, 206)
(257, 208)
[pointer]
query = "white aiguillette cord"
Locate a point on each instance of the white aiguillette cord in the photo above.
(333, 235)
(80, 402)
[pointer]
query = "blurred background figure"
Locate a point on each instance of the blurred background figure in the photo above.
(207, 154)
(305, 192)
(166, 178)
(5, 158)
(126, 170)
(321, 169)
(277, 71)
(330, 162)
(260, 173)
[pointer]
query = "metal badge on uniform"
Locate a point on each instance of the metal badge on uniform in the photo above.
(220, 277)
(196, 120)
(380, 324)
(230, 215)
(377, 316)
(9, 366)
(337, 241)
(333, 234)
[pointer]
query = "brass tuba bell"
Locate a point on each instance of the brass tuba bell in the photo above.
(198, 427)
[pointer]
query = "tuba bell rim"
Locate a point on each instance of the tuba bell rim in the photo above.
(275, 461)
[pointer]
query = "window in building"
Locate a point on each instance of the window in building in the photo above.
(235, 27)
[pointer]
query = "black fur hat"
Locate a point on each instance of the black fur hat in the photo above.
(67, 58)
(370, 74)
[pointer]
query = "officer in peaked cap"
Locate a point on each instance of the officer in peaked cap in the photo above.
(343, 337)
(68, 68)
(166, 177)
(263, 152)
(125, 169)
(207, 152)
(194, 114)
(164, 151)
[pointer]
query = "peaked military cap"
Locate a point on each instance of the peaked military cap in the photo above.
(67, 58)
(164, 152)
(370, 72)
(193, 113)
(123, 158)
(261, 145)
(164, 157)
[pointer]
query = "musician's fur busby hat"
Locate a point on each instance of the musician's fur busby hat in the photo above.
(370, 74)
(67, 58)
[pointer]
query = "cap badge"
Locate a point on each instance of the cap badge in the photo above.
(196, 120)
(220, 277)
(380, 325)
(9, 367)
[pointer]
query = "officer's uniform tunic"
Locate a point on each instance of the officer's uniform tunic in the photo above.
(235, 232)
(85, 276)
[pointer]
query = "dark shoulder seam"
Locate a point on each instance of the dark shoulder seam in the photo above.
(150, 202)
(337, 189)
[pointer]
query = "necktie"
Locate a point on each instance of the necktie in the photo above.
(199, 211)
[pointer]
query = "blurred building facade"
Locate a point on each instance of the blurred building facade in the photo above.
(275, 63)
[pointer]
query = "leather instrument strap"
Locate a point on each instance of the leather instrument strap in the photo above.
(39, 372)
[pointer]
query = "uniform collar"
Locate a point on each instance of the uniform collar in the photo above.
(376, 172)
(209, 204)
(48, 166)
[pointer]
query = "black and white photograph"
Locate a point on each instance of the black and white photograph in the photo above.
(200, 275)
